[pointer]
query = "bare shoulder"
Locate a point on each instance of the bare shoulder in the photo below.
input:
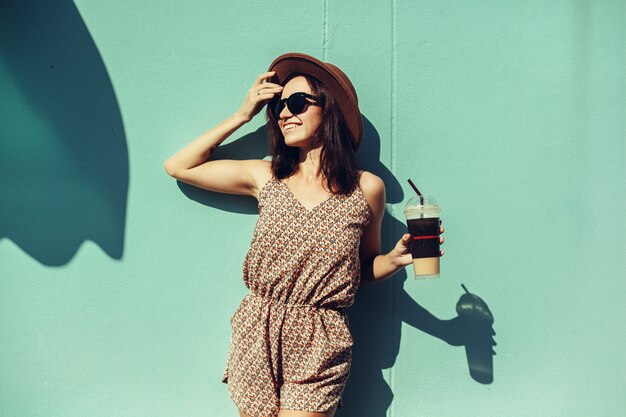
(373, 189)
(371, 184)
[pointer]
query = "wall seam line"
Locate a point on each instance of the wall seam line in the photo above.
(325, 31)
(393, 189)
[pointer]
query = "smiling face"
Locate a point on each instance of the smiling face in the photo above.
(305, 124)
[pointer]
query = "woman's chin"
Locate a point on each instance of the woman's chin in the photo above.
(296, 141)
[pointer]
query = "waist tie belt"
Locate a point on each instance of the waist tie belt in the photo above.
(275, 302)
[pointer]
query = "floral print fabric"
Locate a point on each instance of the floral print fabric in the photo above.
(290, 345)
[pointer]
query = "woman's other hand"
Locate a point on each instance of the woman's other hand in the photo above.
(401, 254)
(258, 95)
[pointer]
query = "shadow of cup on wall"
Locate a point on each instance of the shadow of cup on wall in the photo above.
(474, 330)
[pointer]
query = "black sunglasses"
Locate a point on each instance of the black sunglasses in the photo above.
(295, 103)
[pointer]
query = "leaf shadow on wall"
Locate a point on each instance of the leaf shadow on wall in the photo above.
(377, 330)
(63, 154)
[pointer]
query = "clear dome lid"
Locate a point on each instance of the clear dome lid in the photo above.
(415, 201)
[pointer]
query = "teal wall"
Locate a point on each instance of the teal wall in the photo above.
(117, 282)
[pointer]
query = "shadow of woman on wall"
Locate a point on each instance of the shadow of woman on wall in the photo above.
(379, 310)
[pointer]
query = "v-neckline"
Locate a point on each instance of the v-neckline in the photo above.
(293, 196)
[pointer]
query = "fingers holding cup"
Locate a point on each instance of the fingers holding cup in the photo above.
(441, 240)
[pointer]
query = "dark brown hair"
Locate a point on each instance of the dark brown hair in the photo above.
(338, 153)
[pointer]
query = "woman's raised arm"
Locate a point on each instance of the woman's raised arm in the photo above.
(191, 163)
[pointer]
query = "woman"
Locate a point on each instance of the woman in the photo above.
(317, 238)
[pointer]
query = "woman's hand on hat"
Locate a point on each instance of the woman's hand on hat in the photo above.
(258, 95)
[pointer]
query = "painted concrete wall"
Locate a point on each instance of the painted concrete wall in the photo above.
(117, 282)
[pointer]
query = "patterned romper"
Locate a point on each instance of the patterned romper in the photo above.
(291, 346)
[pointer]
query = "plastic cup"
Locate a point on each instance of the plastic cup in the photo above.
(423, 224)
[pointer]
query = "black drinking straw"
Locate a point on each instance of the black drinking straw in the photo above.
(465, 288)
(417, 191)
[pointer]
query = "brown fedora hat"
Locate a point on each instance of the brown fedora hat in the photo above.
(332, 77)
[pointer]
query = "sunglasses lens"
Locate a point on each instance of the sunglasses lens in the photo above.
(296, 103)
